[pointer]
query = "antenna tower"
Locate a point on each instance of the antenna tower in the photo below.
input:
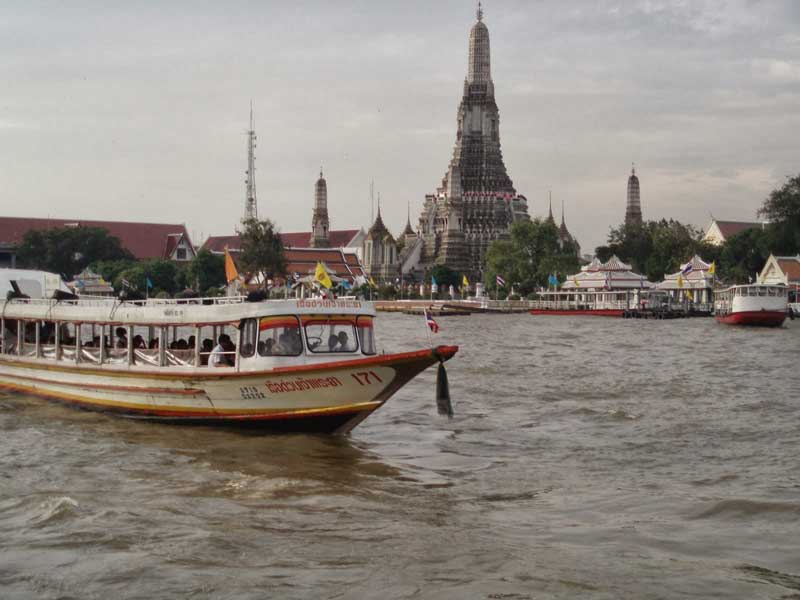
(250, 203)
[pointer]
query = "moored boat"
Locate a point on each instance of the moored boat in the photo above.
(299, 365)
(754, 304)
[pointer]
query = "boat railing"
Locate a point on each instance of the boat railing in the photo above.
(101, 302)
(573, 305)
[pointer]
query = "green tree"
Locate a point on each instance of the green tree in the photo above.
(262, 250)
(110, 269)
(527, 259)
(445, 277)
(782, 210)
(743, 255)
(69, 250)
(165, 275)
(206, 271)
(655, 248)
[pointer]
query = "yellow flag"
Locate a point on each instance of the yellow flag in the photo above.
(689, 295)
(576, 282)
(230, 268)
(321, 275)
(465, 282)
(713, 268)
(372, 282)
(680, 280)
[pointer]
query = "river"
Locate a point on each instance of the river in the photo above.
(588, 458)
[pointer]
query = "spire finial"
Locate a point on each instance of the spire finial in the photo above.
(379, 205)
(550, 192)
(320, 171)
(480, 12)
(562, 211)
(633, 169)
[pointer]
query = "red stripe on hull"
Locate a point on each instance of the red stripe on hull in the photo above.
(763, 318)
(606, 312)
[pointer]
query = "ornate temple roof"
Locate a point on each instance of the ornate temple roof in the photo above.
(612, 264)
(378, 230)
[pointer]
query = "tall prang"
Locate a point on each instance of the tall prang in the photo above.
(476, 202)
(633, 209)
(320, 225)
(250, 202)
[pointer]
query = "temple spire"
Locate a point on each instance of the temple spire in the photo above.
(320, 223)
(479, 13)
(633, 208)
(563, 224)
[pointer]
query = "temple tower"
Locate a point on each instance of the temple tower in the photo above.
(320, 226)
(476, 202)
(250, 203)
(633, 210)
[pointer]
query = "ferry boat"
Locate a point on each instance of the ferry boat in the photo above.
(755, 304)
(289, 365)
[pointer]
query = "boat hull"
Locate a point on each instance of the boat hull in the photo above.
(759, 318)
(606, 312)
(327, 397)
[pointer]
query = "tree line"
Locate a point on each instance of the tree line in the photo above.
(655, 248)
(68, 251)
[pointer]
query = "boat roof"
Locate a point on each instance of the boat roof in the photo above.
(195, 311)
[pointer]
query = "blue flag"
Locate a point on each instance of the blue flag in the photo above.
(553, 279)
(149, 284)
(433, 281)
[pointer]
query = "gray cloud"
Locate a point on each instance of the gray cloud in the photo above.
(138, 111)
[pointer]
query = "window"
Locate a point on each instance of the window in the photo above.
(279, 336)
(247, 344)
(331, 333)
(366, 334)
(180, 254)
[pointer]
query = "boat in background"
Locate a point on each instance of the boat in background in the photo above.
(755, 304)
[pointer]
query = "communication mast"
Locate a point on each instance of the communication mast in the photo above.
(250, 204)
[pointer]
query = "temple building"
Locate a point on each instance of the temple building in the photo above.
(633, 209)
(564, 236)
(476, 202)
(319, 221)
(380, 252)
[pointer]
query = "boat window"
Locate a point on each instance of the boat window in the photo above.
(247, 339)
(366, 334)
(771, 291)
(331, 333)
(9, 336)
(66, 343)
(279, 336)
(762, 291)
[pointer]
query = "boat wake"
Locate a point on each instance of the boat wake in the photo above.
(739, 507)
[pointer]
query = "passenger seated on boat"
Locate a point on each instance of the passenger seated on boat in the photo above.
(122, 337)
(181, 345)
(191, 342)
(10, 337)
(138, 343)
(343, 343)
(205, 350)
(153, 345)
(220, 355)
(332, 341)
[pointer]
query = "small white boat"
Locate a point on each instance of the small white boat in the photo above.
(300, 365)
(754, 304)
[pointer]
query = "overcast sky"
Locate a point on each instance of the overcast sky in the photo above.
(138, 111)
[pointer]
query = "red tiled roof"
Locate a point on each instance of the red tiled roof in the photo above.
(729, 228)
(790, 266)
(143, 240)
(338, 239)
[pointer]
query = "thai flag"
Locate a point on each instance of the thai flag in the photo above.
(687, 269)
(433, 325)
(500, 281)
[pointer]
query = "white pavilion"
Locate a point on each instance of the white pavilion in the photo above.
(694, 279)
